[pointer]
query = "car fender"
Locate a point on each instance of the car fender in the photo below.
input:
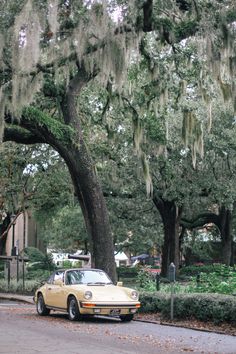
(74, 294)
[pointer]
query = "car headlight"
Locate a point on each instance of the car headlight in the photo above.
(134, 295)
(88, 295)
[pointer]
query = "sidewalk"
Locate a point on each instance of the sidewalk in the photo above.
(16, 297)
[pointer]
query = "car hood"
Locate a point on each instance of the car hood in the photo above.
(106, 292)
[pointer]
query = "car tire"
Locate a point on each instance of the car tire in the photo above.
(126, 318)
(73, 309)
(41, 307)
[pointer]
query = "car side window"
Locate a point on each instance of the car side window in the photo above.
(55, 276)
(58, 275)
(68, 278)
(50, 279)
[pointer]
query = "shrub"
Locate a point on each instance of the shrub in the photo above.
(193, 270)
(34, 254)
(39, 260)
(127, 272)
(17, 287)
(146, 280)
(222, 281)
(204, 307)
(152, 302)
(39, 275)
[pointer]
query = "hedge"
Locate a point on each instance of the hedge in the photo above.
(205, 307)
(127, 272)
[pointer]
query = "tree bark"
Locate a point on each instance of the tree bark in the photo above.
(87, 187)
(224, 223)
(170, 215)
(225, 226)
(3, 233)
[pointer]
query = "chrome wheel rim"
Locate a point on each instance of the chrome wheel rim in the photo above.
(72, 309)
(40, 305)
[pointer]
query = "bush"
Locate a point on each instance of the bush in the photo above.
(1, 266)
(193, 270)
(204, 307)
(127, 272)
(221, 281)
(39, 260)
(152, 302)
(146, 280)
(34, 254)
(39, 275)
(17, 287)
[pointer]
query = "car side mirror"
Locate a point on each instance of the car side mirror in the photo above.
(58, 282)
(119, 283)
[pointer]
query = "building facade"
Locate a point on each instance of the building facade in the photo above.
(21, 234)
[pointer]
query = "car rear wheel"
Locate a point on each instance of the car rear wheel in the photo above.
(41, 308)
(73, 309)
(126, 318)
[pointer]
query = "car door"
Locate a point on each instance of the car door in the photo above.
(56, 295)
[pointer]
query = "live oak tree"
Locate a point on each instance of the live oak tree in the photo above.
(155, 106)
(108, 127)
(215, 178)
(58, 47)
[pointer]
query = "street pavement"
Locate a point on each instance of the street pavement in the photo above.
(22, 331)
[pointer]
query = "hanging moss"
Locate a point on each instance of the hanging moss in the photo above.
(146, 174)
(137, 135)
(192, 134)
(226, 90)
(2, 112)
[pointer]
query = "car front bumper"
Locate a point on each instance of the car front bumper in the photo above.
(111, 309)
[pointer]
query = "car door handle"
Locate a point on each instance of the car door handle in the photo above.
(49, 288)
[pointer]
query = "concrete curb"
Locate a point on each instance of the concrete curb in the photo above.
(15, 297)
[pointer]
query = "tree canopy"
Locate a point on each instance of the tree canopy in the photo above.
(52, 50)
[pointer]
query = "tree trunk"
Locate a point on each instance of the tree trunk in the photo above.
(90, 196)
(77, 158)
(232, 254)
(225, 225)
(170, 215)
(3, 233)
(223, 221)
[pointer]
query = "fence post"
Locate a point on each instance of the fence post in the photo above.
(8, 264)
(172, 281)
(157, 281)
(198, 278)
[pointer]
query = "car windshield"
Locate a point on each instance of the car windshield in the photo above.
(90, 277)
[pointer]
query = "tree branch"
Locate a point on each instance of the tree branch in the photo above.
(201, 220)
(21, 136)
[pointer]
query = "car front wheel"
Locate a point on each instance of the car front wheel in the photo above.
(73, 309)
(126, 318)
(41, 308)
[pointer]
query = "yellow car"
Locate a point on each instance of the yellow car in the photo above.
(85, 292)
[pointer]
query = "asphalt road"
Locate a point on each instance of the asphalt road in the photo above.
(23, 331)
